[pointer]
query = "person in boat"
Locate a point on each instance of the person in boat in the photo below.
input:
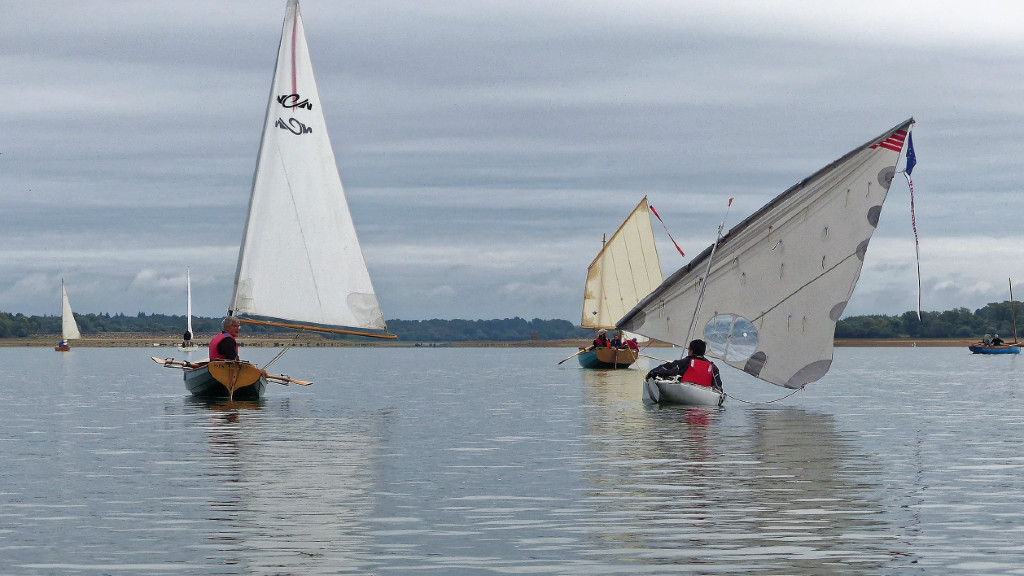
(694, 368)
(601, 341)
(987, 339)
(224, 346)
(633, 345)
(186, 339)
(616, 341)
(997, 341)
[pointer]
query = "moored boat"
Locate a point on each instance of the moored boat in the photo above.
(187, 345)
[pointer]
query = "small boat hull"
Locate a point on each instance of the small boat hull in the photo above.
(672, 391)
(608, 358)
(191, 348)
(62, 348)
(226, 379)
(989, 349)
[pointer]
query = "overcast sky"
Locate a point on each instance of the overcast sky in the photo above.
(485, 147)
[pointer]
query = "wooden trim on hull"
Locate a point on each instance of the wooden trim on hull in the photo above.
(226, 379)
(608, 358)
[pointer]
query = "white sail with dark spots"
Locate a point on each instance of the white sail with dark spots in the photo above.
(300, 259)
(781, 279)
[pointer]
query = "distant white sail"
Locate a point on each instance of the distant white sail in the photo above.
(188, 305)
(626, 270)
(781, 279)
(300, 259)
(69, 328)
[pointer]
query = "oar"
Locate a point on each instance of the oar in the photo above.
(654, 358)
(280, 379)
(582, 350)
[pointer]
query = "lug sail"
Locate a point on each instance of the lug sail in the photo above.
(300, 260)
(69, 328)
(626, 269)
(781, 279)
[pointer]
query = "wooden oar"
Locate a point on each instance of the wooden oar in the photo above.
(654, 358)
(582, 350)
(279, 378)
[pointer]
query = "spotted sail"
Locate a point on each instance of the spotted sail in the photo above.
(780, 280)
(300, 260)
(626, 270)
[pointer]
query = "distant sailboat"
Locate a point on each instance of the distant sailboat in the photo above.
(300, 265)
(69, 328)
(624, 271)
(766, 296)
(187, 345)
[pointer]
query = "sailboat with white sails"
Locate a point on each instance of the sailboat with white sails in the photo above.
(187, 345)
(767, 295)
(300, 265)
(68, 326)
(624, 271)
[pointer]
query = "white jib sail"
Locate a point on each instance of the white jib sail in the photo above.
(781, 279)
(300, 258)
(69, 328)
(626, 270)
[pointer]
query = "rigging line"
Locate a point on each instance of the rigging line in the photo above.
(707, 272)
(768, 402)
(287, 347)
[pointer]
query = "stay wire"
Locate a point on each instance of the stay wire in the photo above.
(768, 402)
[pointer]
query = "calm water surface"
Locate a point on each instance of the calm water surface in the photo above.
(499, 461)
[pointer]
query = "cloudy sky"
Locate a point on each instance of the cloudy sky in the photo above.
(486, 146)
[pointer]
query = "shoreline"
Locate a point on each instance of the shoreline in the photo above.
(307, 340)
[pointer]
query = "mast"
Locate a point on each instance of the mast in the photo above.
(1012, 317)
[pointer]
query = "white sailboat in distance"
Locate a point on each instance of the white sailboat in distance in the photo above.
(187, 345)
(68, 326)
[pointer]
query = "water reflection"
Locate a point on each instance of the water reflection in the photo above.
(737, 485)
(287, 488)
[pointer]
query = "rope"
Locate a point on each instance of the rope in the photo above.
(768, 402)
(283, 350)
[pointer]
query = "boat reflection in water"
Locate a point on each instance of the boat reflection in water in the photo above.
(735, 486)
(287, 490)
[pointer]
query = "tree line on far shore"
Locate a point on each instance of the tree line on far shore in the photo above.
(957, 323)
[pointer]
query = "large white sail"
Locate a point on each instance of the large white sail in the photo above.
(780, 280)
(626, 270)
(69, 328)
(300, 259)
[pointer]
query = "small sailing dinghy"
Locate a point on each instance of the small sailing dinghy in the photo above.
(984, 347)
(624, 271)
(187, 345)
(300, 265)
(766, 296)
(68, 326)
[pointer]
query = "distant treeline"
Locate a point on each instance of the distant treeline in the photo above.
(508, 329)
(957, 323)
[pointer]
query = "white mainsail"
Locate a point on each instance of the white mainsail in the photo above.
(780, 280)
(300, 259)
(188, 305)
(626, 270)
(69, 328)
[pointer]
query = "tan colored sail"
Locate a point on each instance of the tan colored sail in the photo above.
(626, 270)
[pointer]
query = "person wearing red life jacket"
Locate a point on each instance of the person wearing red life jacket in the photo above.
(601, 341)
(224, 346)
(693, 368)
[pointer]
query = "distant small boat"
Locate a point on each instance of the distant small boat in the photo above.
(1006, 347)
(187, 345)
(68, 328)
(624, 271)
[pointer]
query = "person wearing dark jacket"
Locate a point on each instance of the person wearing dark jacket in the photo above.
(694, 368)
